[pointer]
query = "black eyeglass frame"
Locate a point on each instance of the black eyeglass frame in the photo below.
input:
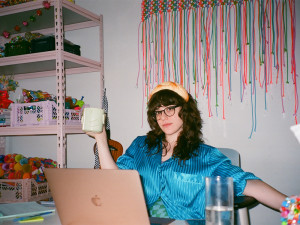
(159, 112)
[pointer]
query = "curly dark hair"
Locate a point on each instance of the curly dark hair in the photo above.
(191, 135)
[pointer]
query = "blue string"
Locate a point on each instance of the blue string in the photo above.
(253, 81)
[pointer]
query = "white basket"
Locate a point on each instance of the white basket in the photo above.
(41, 114)
(23, 190)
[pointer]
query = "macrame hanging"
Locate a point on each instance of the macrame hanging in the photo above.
(197, 42)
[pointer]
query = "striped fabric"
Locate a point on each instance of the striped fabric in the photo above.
(180, 186)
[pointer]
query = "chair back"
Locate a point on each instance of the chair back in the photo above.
(241, 203)
(232, 154)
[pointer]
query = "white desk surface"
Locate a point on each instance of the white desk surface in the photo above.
(53, 219)
(48, 220)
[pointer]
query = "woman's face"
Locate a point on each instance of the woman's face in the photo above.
(168, 120)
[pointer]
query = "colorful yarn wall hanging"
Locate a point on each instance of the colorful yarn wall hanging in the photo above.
(198, 42)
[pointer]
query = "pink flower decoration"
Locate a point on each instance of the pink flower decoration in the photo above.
(25, 23)
(46, 4)
(6, 34)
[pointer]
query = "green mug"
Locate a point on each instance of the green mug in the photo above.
(93, 120)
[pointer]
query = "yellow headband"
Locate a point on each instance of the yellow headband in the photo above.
(172, 86)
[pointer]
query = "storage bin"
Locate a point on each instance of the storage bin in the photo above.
(17, 48)
(47, 43)
(41, 114)
(23, 190)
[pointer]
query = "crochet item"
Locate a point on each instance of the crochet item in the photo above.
(290, 211)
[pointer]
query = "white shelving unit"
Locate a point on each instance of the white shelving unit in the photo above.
(61, 17)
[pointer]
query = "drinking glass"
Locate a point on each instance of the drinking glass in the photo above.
(219, 201)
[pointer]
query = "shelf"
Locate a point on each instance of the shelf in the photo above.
(62, 16)
(74, 16)
(38, 130)
(43, 64)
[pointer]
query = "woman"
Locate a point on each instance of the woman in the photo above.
(173, 160)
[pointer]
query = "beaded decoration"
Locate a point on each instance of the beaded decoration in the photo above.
(205, 44)
(290, 211)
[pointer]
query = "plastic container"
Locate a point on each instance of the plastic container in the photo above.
(18, 48)
(40, 114)
(23, 190)
(47, 43)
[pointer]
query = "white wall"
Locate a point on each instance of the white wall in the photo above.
(272, 153)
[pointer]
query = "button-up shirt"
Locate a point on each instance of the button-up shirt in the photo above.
(180, 185)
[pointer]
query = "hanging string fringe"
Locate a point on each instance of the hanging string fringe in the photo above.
(196, 42)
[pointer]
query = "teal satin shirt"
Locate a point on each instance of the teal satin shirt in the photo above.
(181, 186)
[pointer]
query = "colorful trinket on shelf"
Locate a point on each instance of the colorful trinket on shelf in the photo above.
(2, 51)
(32, 18)
(18, 157)
(17, 28)
(25, 23)
(4, 101)
(16, 166)
(5, 166)
(7, 83)
(80, 102)
(39, 12)
(6, 34)
(8, 158)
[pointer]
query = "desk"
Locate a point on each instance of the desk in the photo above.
(53, 219)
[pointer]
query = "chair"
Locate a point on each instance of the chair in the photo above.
(242, 204)
(116, 150)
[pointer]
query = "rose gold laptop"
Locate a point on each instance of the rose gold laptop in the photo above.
(96, 197)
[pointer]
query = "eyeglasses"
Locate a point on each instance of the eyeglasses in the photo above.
(169, 111)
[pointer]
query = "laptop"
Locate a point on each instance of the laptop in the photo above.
(96, 197)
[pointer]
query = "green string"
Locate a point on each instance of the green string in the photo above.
(248, 21)
(273, 30)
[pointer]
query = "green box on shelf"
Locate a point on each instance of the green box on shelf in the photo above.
(47, 43)
(17, 48)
